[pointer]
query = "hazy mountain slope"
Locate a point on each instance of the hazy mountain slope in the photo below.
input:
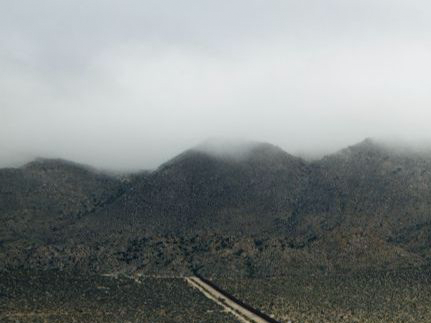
(197, 191)
(255, 209)
(39, 198)
(371, 190)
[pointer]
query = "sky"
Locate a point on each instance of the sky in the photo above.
(129, 84)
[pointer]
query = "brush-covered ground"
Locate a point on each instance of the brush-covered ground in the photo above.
(366, 297)
(66, 297)
(300, 297)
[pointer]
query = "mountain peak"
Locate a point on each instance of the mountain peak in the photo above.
(366, 146)
(226, 148)
(239, 150)
(58, 164)
(367, 143)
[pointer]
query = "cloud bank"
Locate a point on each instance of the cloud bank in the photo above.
(128, 84)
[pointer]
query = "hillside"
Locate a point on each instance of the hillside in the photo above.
(251, 209)
(42, 198)
(369, 192)
(198, 192)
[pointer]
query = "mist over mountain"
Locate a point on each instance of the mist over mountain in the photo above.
(215, 161)
(223, 204)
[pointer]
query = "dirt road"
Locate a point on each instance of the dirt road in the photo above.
(228, 303)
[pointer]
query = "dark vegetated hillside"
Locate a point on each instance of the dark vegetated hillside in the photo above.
(198, 192)
(42, 198)
(369, 185)
(261, 212)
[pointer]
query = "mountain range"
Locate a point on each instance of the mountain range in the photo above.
(250, 208)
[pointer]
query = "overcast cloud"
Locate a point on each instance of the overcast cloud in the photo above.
(128, 84)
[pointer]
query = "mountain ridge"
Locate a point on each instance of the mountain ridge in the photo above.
(326, 212)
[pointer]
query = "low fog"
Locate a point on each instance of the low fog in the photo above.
(129, 84)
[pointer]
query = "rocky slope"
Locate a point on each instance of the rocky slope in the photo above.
(259, 211)
(197, 192)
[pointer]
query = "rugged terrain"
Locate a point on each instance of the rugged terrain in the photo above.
(339, 239)
(257, 212)
(62, 296)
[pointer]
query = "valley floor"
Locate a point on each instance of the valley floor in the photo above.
(64, 296)
(366, 297)
(57, 296)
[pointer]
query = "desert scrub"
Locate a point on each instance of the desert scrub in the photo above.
(59, 296)
(372, 296)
